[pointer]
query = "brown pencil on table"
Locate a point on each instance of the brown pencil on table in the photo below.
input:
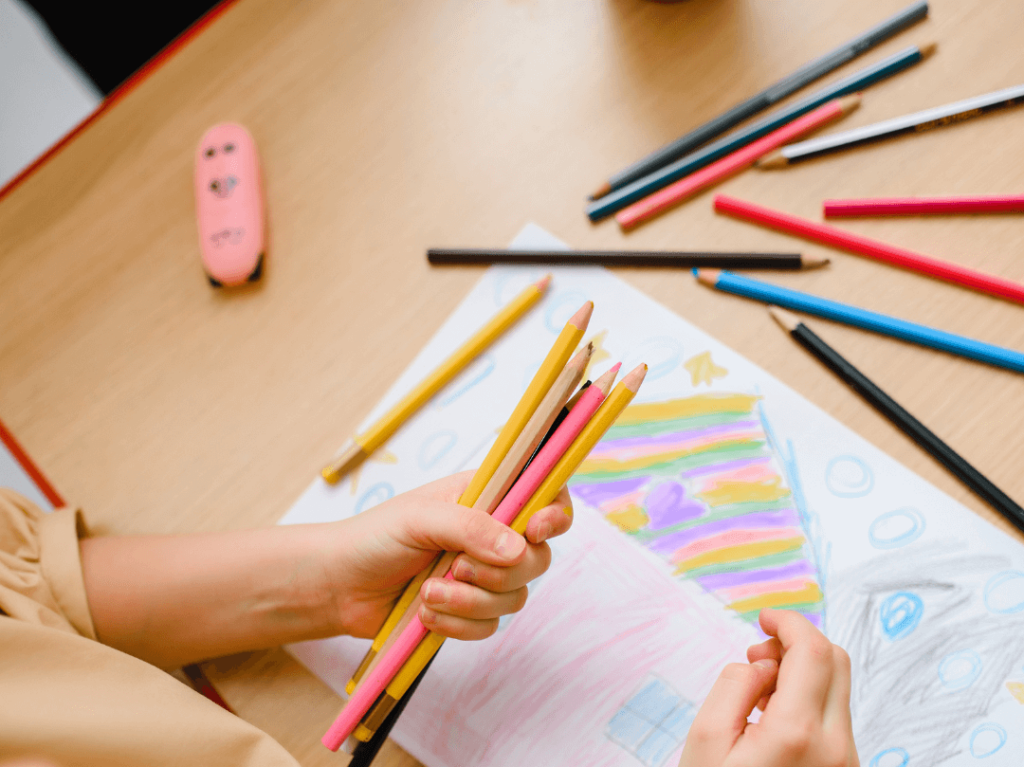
(630, 258)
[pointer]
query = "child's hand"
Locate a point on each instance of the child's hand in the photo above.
(380, 550)
(801, 682)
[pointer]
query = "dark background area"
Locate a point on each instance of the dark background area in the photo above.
(111, 40)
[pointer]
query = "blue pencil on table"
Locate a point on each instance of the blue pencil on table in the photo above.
(684, 166)
(862, 318)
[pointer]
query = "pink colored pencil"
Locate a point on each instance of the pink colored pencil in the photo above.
(864, 246)
(924, 206)
(687, 187)
(378, 679)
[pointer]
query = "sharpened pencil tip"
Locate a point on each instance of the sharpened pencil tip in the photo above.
(582, 318)
(814, 262)
(604, 382)
(771, 161)
(601, 191)
(707, 276)
(787, 320)
(927, 49)
(543, 282)
(635, 377)
(849, 103)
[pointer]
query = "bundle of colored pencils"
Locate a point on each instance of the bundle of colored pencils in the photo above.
(549, 434)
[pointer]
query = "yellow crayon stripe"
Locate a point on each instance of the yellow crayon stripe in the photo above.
(688, 408)
(739, 553)
(810, 594)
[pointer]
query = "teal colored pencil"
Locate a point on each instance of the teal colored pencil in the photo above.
(684, 166)
(862, 318)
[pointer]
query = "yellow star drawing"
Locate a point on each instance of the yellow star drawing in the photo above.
(703, 369)
(600, 353)
(381, 456)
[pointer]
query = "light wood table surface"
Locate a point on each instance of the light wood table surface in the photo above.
(162, 405)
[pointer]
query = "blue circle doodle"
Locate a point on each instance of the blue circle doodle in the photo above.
(959, 670)
(896, 528)
(847, 476)
(1004, 592)
(379, 493)
(662, 355)
(560, 308)
(900, 613)
(993, 738)
(435, 447)
(891, 755)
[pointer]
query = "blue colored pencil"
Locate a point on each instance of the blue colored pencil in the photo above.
(684, 166)
(862, 318)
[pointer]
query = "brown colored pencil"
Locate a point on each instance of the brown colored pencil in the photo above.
(631, 258)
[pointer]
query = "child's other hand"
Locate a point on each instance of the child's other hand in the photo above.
(801, 682)
(380, 550)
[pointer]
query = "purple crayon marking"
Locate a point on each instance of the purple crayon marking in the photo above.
(672, 438)
(731, 580)
(668, 544)
(597, 493)
(667, 505)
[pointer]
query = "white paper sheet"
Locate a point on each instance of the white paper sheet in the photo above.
(653, 589)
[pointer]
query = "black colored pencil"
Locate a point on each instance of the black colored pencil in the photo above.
(666, 258)
(771, 95)
(366, 752)
(918, 122)
(892, 410)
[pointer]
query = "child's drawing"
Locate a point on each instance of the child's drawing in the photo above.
(721, 491)
(694, 481)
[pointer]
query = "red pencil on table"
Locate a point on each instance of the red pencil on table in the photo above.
(687, 187)
(864, 246)
(924, 206)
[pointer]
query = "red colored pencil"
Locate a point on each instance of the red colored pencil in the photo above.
(688, 186)
(863, 246)
(924, 206)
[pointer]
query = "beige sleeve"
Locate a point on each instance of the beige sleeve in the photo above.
(74, 701)
(40, 569)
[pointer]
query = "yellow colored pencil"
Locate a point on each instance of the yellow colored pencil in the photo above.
(603, 419)
(543, 380)
(363, 445)
(577, 452)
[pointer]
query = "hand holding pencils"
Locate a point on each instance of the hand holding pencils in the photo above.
(402, 656)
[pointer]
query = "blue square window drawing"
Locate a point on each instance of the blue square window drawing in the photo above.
(653, 723)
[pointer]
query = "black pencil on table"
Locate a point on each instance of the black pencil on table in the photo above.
(664, 258)
(892, 410)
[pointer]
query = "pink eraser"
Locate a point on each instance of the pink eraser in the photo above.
(229, 205)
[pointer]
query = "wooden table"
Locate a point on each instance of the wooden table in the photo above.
(162, 405)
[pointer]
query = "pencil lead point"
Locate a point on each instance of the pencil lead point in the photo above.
(635, 377)
(771, 161)
(787, 320)
(814, 262)
(927, 49)
(708, 276)
(601, 191)
(582, 317)
(604, 382)
(849, 103)
(543, 282)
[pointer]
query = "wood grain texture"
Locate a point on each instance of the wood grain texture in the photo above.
(161, 405)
